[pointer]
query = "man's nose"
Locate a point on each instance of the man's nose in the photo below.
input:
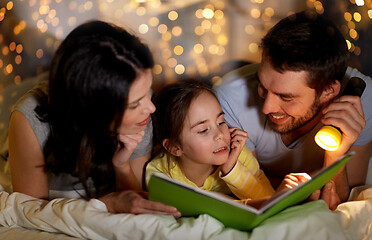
(270, 104)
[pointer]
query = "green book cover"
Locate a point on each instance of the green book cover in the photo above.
(192, 201)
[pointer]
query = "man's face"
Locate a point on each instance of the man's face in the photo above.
(289, 102)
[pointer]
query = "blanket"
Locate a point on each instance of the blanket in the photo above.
(24, 217)
(76, 218)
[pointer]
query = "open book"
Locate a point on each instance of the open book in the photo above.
(192, 201)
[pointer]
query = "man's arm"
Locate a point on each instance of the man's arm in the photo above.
(355, 172)
(347, 114)
(357, 167)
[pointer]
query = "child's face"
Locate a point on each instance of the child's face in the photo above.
(205, 137)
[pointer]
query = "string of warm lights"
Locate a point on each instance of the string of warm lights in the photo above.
(357, 15)
(187, 37)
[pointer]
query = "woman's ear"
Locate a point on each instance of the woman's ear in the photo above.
(330, 92)
(173, 148)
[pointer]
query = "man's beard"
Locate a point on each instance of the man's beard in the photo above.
(295, 124)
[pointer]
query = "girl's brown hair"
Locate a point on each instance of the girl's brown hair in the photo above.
(172, 105)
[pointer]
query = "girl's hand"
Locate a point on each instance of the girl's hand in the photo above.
(123, 153)
(292, 180)
(237, 142)
(136, 203)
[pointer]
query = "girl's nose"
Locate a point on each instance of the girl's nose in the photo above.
(218, 134)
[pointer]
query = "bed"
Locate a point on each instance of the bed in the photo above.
(27, 218)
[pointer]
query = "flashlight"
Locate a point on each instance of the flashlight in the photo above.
(329, 137)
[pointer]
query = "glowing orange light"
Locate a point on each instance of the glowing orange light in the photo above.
(9, 5)
(178, 50)
(179, 69)
(9, 68)
(208, 13)
(18, 59)
(39, 53)
(328, 138)
(172, 15)
(157, 69)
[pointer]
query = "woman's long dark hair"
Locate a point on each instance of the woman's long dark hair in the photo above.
(90, 78)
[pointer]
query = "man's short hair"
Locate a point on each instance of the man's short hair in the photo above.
(307, 41)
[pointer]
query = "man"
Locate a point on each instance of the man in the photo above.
(286, 99)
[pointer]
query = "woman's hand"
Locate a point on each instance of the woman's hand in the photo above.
(237, 142)
(123, 153)
(292, 180)
(136, 203)
(125, 177)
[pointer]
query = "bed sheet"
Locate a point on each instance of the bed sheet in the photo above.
(31, 234)
(31, 218)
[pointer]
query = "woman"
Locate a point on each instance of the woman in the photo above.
(86, 130)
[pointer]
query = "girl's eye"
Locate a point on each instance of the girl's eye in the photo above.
(203, 131)
(221, 123)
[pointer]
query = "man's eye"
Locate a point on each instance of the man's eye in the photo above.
(262, 92)
(286, 99)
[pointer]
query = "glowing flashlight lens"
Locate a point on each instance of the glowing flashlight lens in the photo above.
(328, 138)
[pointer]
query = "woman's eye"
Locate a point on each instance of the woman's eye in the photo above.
(134, 106)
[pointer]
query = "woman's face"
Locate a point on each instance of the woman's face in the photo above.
(139, 108)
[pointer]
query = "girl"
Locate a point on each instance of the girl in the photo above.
(83, 132)
(198, 148)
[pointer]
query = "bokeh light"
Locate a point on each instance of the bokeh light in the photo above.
(208, 13)
(178, 50)
(179, 69)
(143, 28)
(172, 15)
(200, 35)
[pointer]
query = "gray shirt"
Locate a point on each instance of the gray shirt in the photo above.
(242, 106)
(65, 185)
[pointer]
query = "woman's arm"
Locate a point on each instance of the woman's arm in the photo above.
(29, 177)
(136, 203)
(138, 167)
(26, 158)
(126, 178)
